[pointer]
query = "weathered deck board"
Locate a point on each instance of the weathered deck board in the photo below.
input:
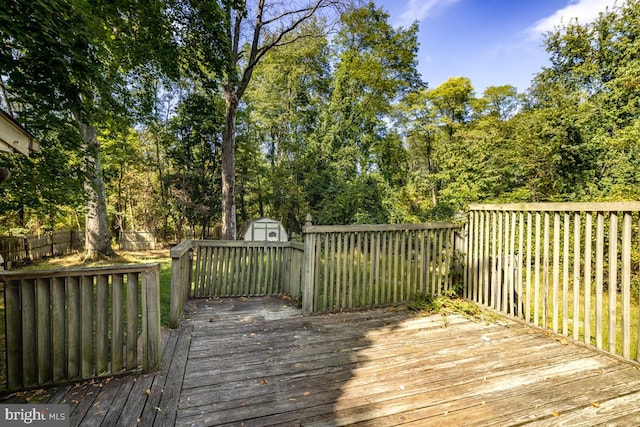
(389, 368)
(259, 362)
(123, 400)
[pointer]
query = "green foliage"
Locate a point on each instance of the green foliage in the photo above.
(194, 155)
(425, 302)
(376, 67)
(342, 127)
(444, 305)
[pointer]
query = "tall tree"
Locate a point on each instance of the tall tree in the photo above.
(589, 92)
(254, 30)
(376, 69)
(75, 62)
(195, 156)
(48, 66)
(289, 90)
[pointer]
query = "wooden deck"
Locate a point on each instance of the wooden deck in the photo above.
(259, 362)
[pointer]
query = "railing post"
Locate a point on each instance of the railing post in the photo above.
(180, 280)
(309, 267)
(287, 255)
(151, 318)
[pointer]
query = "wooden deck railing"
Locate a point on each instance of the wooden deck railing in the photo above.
(181, 276)
(569, 267)
(222, 268)
(359, 266)
(80, 323)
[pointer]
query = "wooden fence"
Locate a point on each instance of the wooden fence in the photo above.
(218, 268)
(80, 323)
(18, 249)
(572, 268)
(358, 266)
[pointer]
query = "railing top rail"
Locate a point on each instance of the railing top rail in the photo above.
(376, 227)
(240, 244)
(181, 248)
(559, 207)
(78, 271)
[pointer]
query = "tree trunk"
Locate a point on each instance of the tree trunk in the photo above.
(97, 236)
(229, 167)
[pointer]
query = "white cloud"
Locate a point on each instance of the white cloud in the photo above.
(417, 10)
(584, 11)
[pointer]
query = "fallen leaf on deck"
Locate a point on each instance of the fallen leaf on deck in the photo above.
(263, 382)
(148, 392)
(556, 414)
(306, 393)
(595, 404)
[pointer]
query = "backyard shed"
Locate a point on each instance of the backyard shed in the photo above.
(264, 230)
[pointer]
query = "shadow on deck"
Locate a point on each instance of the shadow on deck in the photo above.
(259, 362)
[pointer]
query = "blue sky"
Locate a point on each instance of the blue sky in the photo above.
(492, 42)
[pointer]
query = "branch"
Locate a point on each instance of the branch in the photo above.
(257, 51)
(295, 12)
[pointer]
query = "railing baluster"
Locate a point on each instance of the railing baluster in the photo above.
(555, 305)
(599, 276)
(43, 331)
(581, 273)
(74, 304)
(565, 273)
(132, 321)
(59, 322)
(626, 285)
(512, 268)
(527, 308)
(576, 275)
(588, 239)
(545, 270)
(102, 324)
(117, 323)
(613, 280)
(66, 325)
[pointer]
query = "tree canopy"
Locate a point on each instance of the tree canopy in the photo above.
(200, 116)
